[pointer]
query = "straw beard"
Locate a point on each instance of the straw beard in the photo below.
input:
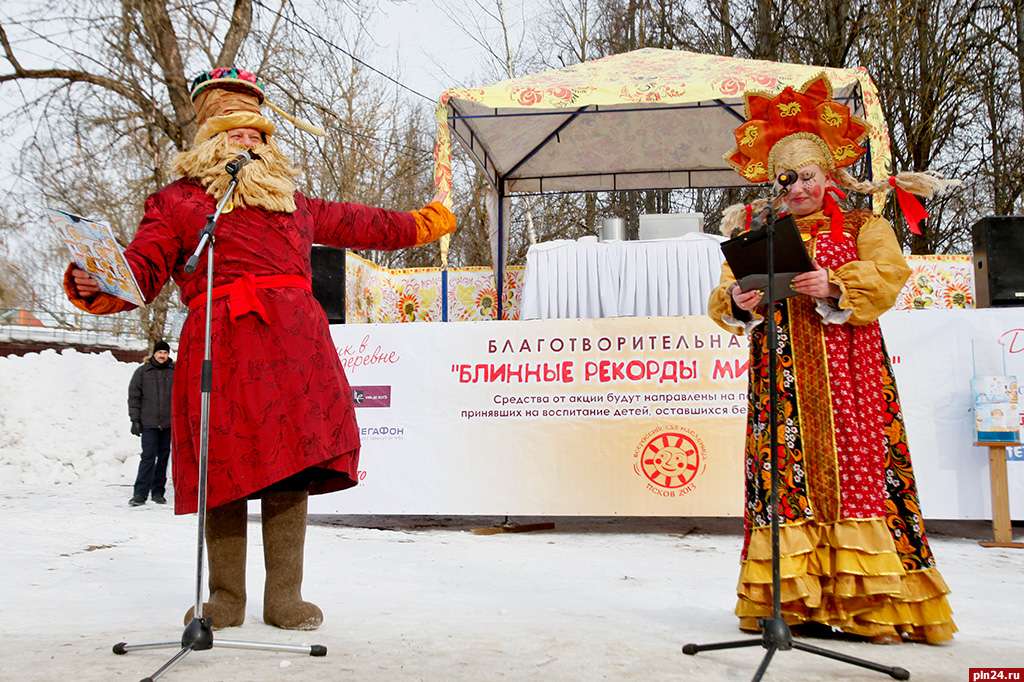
(267, 183)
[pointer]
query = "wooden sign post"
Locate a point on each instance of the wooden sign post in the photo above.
(1002, 531)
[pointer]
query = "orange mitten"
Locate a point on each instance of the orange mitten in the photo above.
(433, 221)
(100, 304)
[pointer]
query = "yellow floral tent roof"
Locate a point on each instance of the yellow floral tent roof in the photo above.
(646, 119)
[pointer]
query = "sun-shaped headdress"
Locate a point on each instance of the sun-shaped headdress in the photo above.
(802, 126)
(806, 122)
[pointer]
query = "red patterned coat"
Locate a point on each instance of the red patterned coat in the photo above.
(280, 405)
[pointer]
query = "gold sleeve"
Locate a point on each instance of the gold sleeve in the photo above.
(871, 284)
(720, 307)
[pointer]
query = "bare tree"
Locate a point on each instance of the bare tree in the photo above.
(925, 60)
(569, 31)
(1000, 25)
(378, 149)
(119, 94)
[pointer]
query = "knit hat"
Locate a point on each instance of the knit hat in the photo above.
(161, 345)
(226, 98)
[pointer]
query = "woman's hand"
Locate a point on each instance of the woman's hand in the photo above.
(85, 284)
(815, 284)
(745, 301)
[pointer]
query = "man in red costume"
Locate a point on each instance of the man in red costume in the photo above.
(282, 423)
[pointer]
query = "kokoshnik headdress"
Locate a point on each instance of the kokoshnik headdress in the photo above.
(801, 126)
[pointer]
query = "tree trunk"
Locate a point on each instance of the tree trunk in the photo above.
(726, 26)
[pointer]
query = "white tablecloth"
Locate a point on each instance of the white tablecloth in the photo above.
(588, 278)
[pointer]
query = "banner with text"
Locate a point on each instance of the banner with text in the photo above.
(633, 416)
(626, 416)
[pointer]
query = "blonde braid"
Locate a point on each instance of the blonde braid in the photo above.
(734, 218)
(924, 184)
(847, 181)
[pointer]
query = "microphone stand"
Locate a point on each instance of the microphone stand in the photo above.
(198, 634)
(775, 632)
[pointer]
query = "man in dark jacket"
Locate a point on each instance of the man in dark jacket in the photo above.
(149, 407)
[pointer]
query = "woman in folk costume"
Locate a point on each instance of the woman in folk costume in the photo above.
(854, 555)
(282, 423)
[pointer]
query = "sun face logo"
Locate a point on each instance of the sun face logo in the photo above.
(670, 459)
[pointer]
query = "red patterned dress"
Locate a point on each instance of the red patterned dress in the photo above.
(853, 545)
(281, 409)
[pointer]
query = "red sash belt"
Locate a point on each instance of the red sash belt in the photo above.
(241, 293)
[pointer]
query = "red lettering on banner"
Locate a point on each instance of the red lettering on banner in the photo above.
(724, 369)
(1013, 339)
(507, 373)
(662, 371)
(352, 359)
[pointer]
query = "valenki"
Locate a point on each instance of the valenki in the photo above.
(282, 423)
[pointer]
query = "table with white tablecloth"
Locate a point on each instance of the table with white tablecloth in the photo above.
(587, 278)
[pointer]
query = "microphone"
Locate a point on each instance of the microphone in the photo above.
(236, 164)
(785, 179)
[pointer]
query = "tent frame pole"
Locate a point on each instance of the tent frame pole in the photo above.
(499, 280)
(543, 143)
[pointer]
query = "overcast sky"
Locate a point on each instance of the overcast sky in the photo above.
(431, 45)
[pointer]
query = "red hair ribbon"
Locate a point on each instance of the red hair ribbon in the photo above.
(913, 211)
(748, 210)
(830, 207)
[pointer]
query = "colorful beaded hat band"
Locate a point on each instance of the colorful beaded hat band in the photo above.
(230, 78)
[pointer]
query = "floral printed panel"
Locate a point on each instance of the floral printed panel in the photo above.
(377, 294)
(472, 294)
(656, 76)
(938, 282)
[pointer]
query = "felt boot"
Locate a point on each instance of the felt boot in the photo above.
(284, 537)
(225, 551)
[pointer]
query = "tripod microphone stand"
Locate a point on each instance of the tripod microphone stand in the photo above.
(198, 634)
(775, 633)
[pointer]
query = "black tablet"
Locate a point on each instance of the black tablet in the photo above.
(747, 255)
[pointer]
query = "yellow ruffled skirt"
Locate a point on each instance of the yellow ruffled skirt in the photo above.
(847, 575)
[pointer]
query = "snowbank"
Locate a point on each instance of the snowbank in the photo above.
(64, 418)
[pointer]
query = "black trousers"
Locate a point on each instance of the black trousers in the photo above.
(156, 451)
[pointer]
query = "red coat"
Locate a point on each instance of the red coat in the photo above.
(280, 403)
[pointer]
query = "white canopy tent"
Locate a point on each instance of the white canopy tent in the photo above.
(649, 119)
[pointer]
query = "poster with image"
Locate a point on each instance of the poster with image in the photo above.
(995, 409)
(94, 249)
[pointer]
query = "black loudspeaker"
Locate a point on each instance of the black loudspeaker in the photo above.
(998, 261)
(329, 281)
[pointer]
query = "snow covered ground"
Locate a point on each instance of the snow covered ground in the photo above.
(405, 599)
